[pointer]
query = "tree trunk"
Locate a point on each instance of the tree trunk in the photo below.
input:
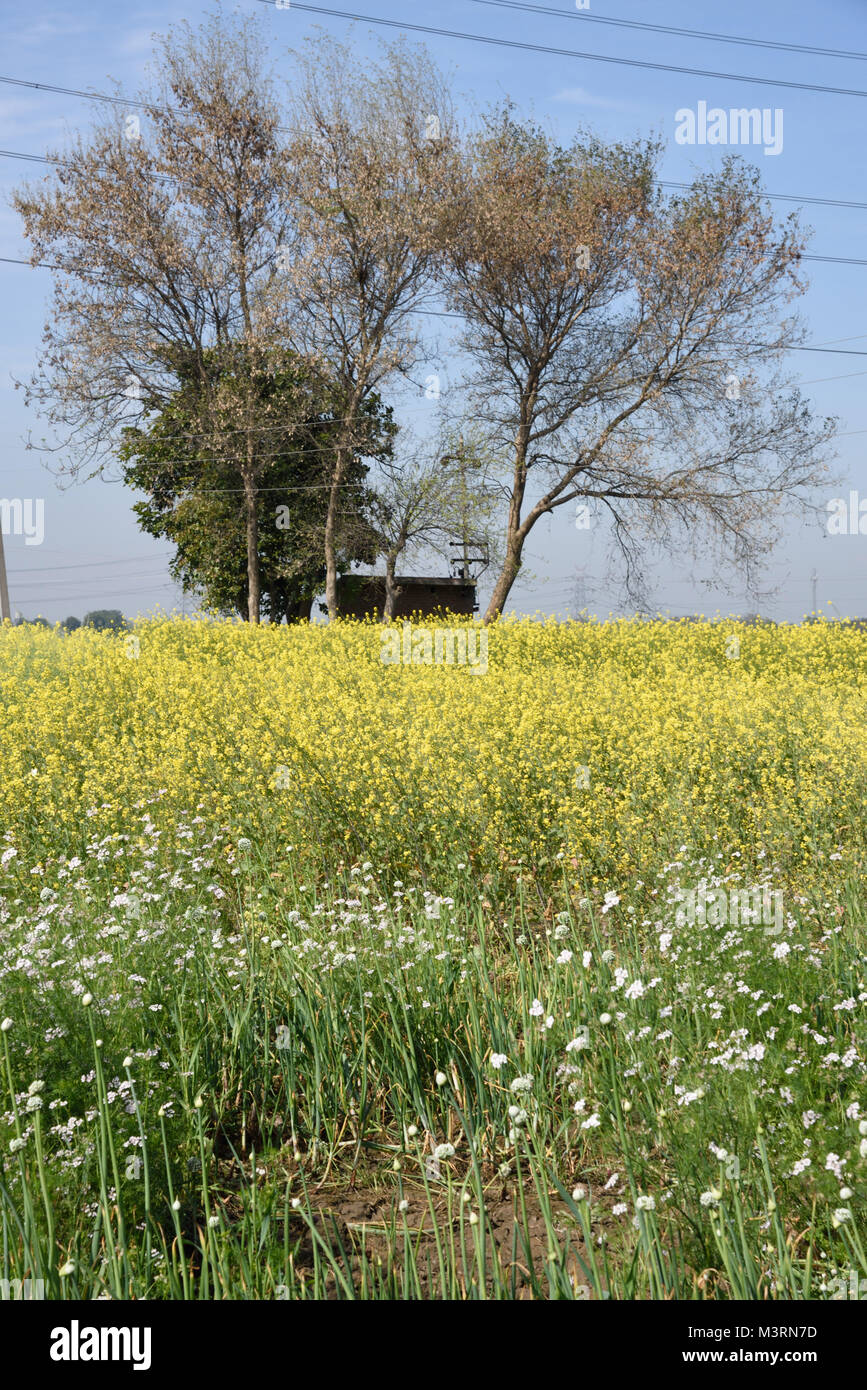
(331, 532)
(507, 576)
(391, 589)
(514, 538)
(253, 580)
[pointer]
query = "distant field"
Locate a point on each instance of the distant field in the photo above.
(330, 966)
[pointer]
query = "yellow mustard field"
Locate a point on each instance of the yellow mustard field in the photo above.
(590, 748)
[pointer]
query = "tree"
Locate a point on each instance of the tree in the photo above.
(360, 173)
(164, 223)
(192, 500)
(423, 500)
(409, 512)
(625, 345)
(71, 624)
(106, 620)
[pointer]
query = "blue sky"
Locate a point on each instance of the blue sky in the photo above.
(93, 554)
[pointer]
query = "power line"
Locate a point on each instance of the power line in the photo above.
(835, 260)
(587, 18)
(662, 183)
(855, 338)
(35, 590)
(845, 376)
(472, 38)
(73, 92)
(101, 583)
(445, 314)
(93, 564)
(30, 599)
(572, 53)
(774, 197)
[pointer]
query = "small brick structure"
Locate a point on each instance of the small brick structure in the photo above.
(363, 595)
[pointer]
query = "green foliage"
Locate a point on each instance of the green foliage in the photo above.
(106, 620)
(239, 429)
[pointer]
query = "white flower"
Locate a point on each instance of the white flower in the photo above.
(213, 1222)
(645, 1204)
(619, 1209)
(86, 1000)
(440, 1078)
(35, 1087)
(127, 1061)
(592, 1122)
(68, 1268)
(586, 959)
(7, 1024)
(711, 1198)
(834, 1164)
(841, 1216)
(536, 1008)
(444, 1151)
(604, 1018)
(607, 957)
(517, 1115)
(403, 1205)
(474, 1218)
(176, 1204)
(845, 1193)
(564, 957)
(296, 1202)
(412, 1131)
(862, 1127)
(579, 1194)
(689, 1096)
(611, 900)
(498, 1059)
(578, 1044)
(244, 844)
(521, 1083)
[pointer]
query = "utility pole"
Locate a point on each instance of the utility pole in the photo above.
(4, 589)
(467, 542)
(814, 579)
